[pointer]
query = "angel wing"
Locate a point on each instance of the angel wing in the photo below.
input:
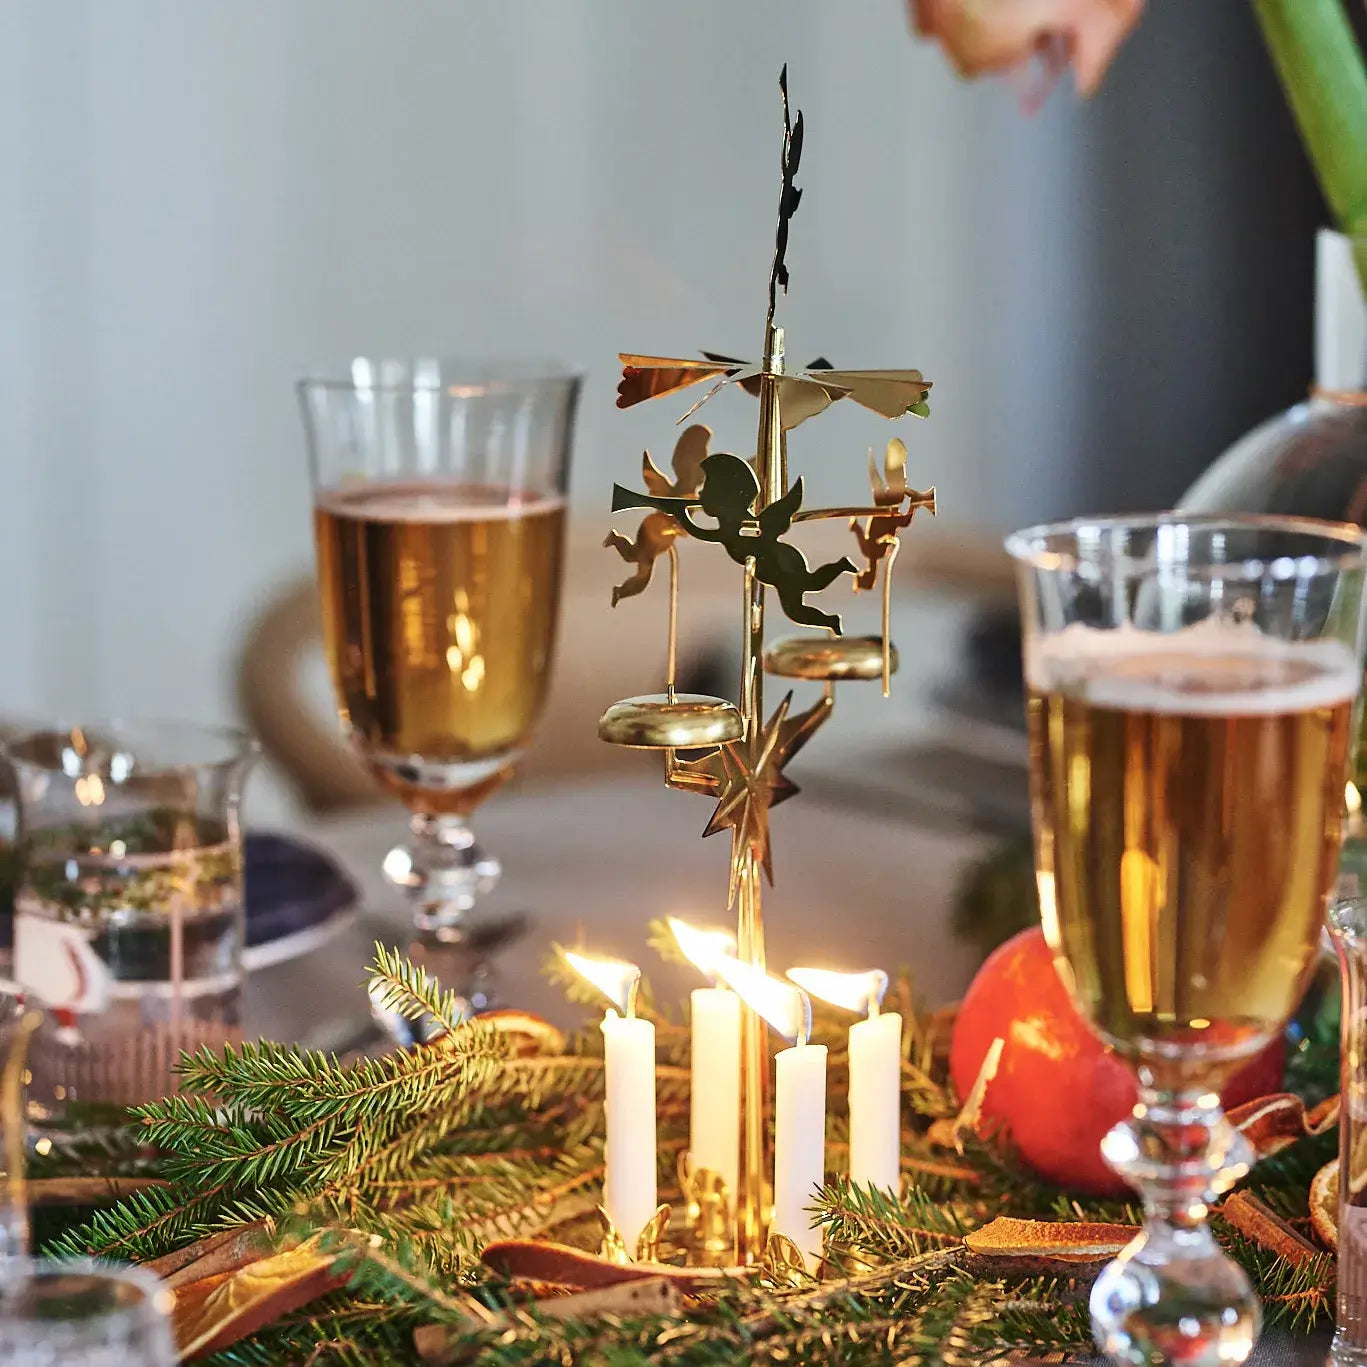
(777, 518)
(689, 453)
(891, 491)
(648, 377)
(892, 393)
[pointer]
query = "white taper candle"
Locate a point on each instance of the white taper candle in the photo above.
(875, 1096)
(714, 1114)
(799, 1145)
(629, 1193)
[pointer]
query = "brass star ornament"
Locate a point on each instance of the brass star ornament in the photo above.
(747, 778)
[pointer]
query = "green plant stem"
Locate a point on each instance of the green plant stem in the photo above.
(1317, 57)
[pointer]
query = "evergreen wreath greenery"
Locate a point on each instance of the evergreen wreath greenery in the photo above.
(413, 1161)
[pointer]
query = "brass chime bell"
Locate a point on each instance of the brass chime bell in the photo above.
(830, 658)
(671, 721)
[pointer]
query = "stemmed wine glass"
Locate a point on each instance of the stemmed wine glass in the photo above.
(1190, 686)
(439, 510)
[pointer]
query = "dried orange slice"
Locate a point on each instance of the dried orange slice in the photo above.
(528, 1034)
(1324, 1204)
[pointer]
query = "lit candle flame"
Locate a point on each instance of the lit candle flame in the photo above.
(787, 1008)
(862, 992)
(702, 948)
(614, 978)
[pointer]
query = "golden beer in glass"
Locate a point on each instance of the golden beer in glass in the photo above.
(1190, 690)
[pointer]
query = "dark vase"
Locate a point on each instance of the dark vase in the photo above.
(1311, 460)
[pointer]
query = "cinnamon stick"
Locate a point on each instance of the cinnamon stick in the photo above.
(218, 1310)
(1273, 1123)
(1255, 1220)
(225, 1251)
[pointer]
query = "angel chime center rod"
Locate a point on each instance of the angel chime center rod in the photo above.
(712, 746)
(751, 1212)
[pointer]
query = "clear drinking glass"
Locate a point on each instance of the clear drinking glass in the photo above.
(439, 510)
(128, 918)
(1190, 688)
(84, 1314)
(1348, 926)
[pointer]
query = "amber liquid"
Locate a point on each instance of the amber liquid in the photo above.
(439, 613)
(1187, 822)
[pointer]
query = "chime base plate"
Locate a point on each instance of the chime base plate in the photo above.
(661, 721)
(829, 658)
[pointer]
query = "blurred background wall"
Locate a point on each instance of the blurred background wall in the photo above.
(203, 201)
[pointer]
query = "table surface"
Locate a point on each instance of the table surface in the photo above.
(851, 891)
(594, 862)
(865, 860)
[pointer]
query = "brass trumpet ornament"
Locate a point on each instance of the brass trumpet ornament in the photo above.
(748, 509)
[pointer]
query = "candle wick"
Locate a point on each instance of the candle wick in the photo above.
(804, 1023)
(633, 992)
(875, 1006)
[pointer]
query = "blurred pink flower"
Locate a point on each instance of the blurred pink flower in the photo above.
(1002, 35)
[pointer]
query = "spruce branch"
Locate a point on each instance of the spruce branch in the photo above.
(416, 1160)
(881, 1224)
(397, 984)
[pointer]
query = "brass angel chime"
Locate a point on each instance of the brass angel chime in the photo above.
(747, 507)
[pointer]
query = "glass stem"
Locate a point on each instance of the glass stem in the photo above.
(1172, 1295)
(444, 871)
(1181, 1152)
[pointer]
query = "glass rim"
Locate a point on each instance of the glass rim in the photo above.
(239, 743)
(458, 377)
(1025, 548)
(153, 1306)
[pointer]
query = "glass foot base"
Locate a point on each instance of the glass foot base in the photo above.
(1342, 1353)
(1173, 1295)
(1197, 1310)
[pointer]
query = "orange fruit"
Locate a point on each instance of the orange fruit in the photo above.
(1058, 1088)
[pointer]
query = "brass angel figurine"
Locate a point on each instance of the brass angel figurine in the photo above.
(878, 536)
(658, 531)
